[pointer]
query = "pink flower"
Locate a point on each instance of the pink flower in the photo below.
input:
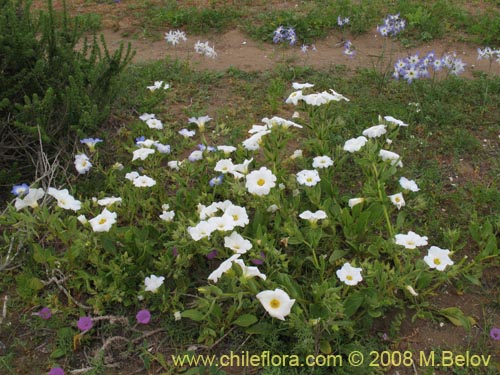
(45, 313)
(143, 316)
(85, 323)
(56, 371)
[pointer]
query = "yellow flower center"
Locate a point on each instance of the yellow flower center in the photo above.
(275, 304)
(102, 221)
(410, 242)
(397, 199)
(437, 261)
(261, 182)
(309, 179)
(349, 277)
(235, 217)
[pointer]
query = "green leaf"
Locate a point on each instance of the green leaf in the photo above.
(259, 329)
(352, 303)
(245, 320)
(325, 347)
(457, 317)
(192, 314)
(58, 353)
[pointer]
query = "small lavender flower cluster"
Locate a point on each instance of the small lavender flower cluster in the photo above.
(414, 67)
(282, 34)
(393, 25)
(488, 53)
(349, 49)
(342, 21)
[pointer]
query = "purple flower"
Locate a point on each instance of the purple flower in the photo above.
(260, 260)
(56, 371)
(143, 316)
(211, 255)
(45, 313)
(216, 181)
(85, 323)
(495, 334)
(175, 252)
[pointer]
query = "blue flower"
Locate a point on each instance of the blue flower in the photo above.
(216, 180)
(19, 190)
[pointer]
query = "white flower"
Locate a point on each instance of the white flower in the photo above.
(158, 85)
(308, 177)
(224, 166)
(144, 181)
(336, 96)
(205, 49)
(153, 283)
(272, 208)
(314, 99)
(354, 201)
(64, 199)
(322, 162)
(118, 166)
(103, 221)
(82, 219)
(132, 175)
(299, 86)
(296, 154)
(410, 289)
(408, 184)
(238, 215)
(253, 143)
(162, 149)
(260, 182)
(294, 97)
(349, 275)
(223, 268)
(177, 315)
(187, 133)
(438, 258)
(146, 116)
(394, 158)
(167, 215)
(174, 164)
(313, 217)
(226, 149)
(175, 36)
(108, 201)
(276, 302)
(397, 200)
(410, 240)
(201, 230)
(249, 272)
(30, 200)
(142, 153)
(355, 144)
(221, 223)
(237, 243)
(375, 131)
(242, 167)
(195, 156)
(200, 121)
(146, 143)
(394, 121)
(279, 121)
(82, 163)
(154, 123)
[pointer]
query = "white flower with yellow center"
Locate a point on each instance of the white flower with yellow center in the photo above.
(224, 166)
(322, 162)
(223, 268)
(154, 123)
(438, 258)
(249, 272)
(108, 201)
(294, 97)
(103, 221)
(142, 153)
(237, 243)
(82, 163)
(313, 217)
(238, 215)
(226, 149)
(222, 223)
(201, 230)
(410, 240)
(276, 302)
(64, 199)
(397, 200)
(200, 121)
(395, 121)
(30, 200)
(308, 177)
(144, 181)
(153, 282)
(349, 275)
(260, 182)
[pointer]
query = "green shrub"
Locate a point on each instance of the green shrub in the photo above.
(50, 90)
